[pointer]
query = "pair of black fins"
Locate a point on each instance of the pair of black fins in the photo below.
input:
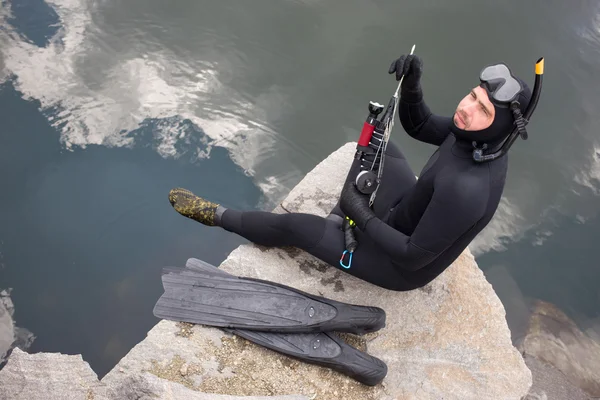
(273, 315)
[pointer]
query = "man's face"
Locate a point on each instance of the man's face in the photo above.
(475, 111)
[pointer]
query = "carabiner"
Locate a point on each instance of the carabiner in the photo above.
(349, 260)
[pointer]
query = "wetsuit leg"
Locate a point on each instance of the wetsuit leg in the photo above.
(352, 172)
(321, 237)
(397, 178)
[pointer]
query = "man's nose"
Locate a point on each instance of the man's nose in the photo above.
(470, 108)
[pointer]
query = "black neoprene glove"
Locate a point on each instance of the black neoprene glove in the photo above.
(356, 205)
(411, 66)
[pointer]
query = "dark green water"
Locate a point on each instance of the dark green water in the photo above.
(105, 106)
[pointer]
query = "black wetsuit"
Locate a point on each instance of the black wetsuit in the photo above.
(422, 225)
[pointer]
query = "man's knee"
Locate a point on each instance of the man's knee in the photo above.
(336, 213)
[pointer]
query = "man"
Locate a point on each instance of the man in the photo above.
(415, 228)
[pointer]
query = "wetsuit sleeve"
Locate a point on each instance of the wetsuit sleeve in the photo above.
(418, 120)
(453, 210)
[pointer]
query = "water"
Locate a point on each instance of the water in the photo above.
(106, 105)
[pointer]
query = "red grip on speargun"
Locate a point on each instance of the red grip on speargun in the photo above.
(365, 134)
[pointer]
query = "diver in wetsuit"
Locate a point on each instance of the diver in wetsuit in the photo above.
(415, 228)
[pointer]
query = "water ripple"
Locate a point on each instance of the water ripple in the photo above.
(97, 83)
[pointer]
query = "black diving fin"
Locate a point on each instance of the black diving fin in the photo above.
(203, 294)
(281, 318)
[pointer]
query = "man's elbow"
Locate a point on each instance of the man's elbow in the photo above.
(410, 128)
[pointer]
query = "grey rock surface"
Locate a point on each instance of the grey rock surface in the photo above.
(554, 338)
(44, 376)
(10, 334)
(448, 340)
(7, 330)
(200, 360)
(551, 384)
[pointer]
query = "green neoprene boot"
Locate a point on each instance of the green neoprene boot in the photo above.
(194, 207)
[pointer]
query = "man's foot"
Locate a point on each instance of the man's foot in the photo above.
(189, 205)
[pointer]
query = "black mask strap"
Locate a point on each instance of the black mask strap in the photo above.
(519, 120)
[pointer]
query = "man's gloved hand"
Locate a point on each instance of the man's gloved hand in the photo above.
(356, 205)
(411, 66)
